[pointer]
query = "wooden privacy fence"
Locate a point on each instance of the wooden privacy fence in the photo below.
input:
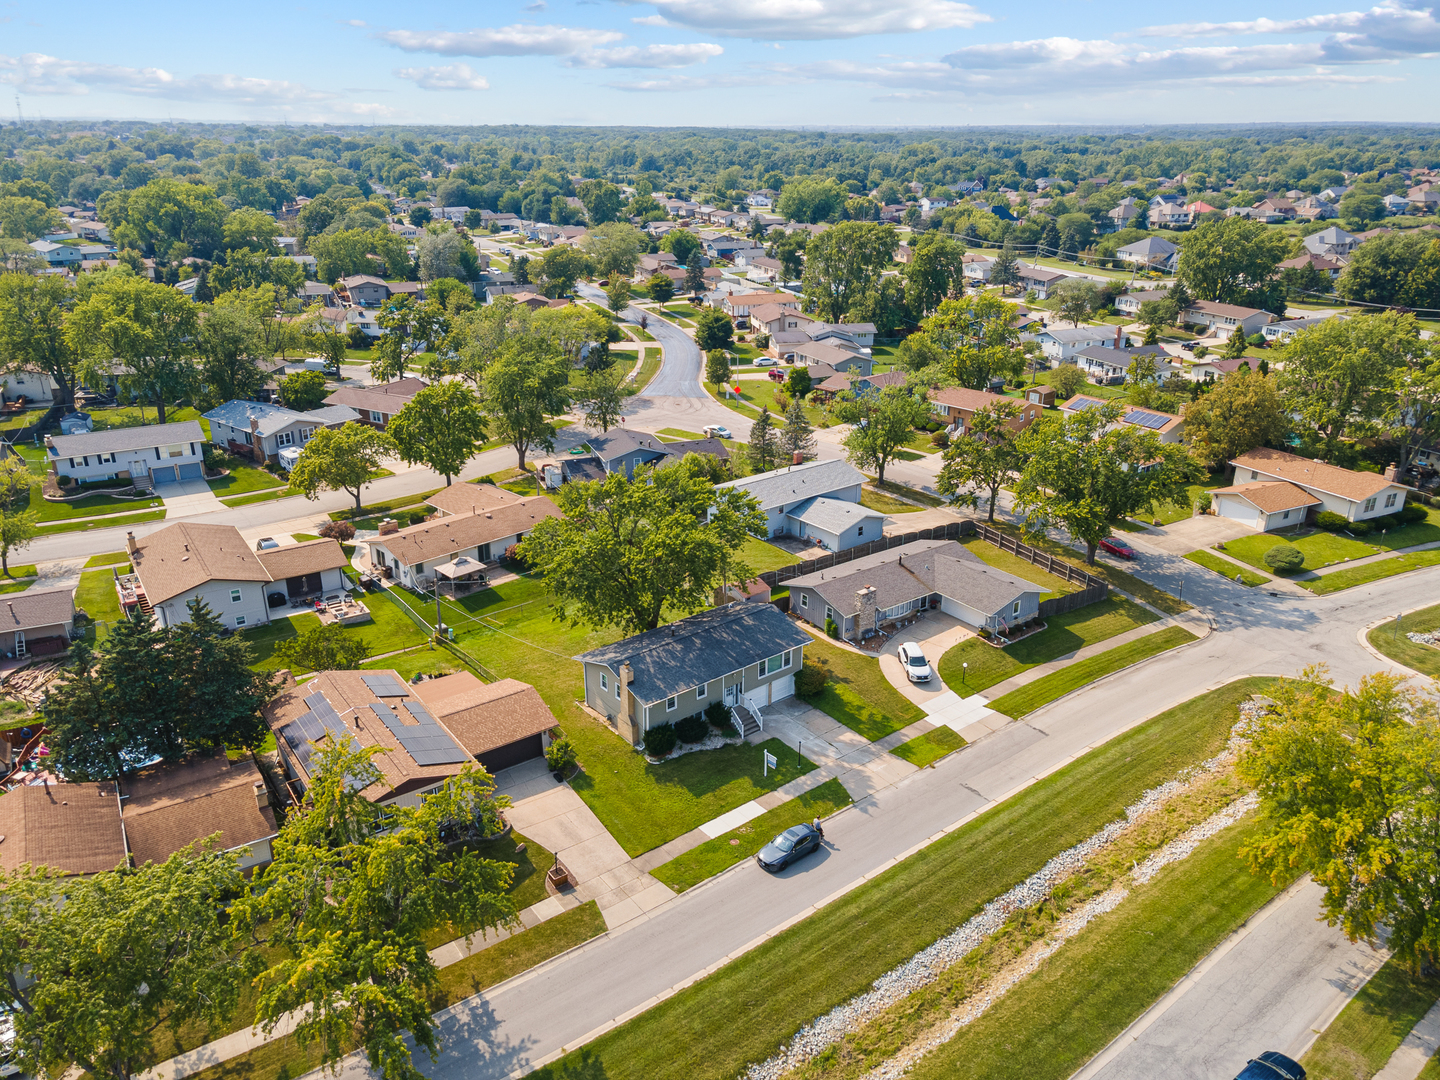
(951, 530)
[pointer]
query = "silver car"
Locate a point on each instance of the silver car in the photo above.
(914, 662)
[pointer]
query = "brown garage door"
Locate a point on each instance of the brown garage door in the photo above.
(502, 757)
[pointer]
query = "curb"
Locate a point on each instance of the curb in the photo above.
(1363, 635)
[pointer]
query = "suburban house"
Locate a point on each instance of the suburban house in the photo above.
(365, 289)
(1105, 364)
(34, 387)
(1124, 213)
(866, 593)
(1039, 281)
(1333, 242)
(1130, 302)
(162, 452)
(1168, 426)
(1274, 211)
(466, 498)
(1329, 267)
(738, 305)
(37, 622)
(857, 384)
(957, 406)
(1222, 320)
(788, 495)
(56, 254)
(977, 267)
(1060, 343)
(1152, 253)
(427, 733)
(624, 450)
(189, 561)
(1285, 329)
(264, 431)
(835, 353)
(377, 404)
(1273, 489)
(412, 556)
(743, 655)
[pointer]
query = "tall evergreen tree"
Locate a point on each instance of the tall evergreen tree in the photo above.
(1004, 272)
(763, 451)
(797, 436)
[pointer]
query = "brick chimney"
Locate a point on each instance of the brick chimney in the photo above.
(1391, 470)
(262, 795)
(130, 545)
(865, 610)
(388, 526)
(797, 458)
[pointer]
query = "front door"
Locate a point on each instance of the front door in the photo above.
(732, 695)
(138, 469)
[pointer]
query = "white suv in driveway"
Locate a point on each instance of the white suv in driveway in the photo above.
(917, 668)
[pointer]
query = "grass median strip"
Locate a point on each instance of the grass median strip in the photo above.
(1227, 569)
(771, 991)
(696, 865)
(113, 559)
(1363, 575)
(111, 522)
(1046, 689)
(1371, 1027)
(932, 746)
(1391, 640)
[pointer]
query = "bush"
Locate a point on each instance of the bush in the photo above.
(1412, 514)
(63, 480)
(1256, 340)
(1205, 501)
(718, 714)
(214, 459)
(1360, 528)
(692, 729)
(1389, 521)
(1330, 521)
(831, 629)
(940, 439)
(1284, 558)
(810, 680)
(338, 530)
(512, 554)
(560, 755)
(659, 741)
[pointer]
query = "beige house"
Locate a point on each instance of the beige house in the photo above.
(411, 556)
(1273, 489)
(37, 622)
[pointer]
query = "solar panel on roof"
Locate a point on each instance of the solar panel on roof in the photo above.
(426, 741)
(1146, 419)
(385, 686)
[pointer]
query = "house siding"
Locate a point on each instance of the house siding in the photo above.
(216, 594)
(1350, 509)
(410, 575)
(150, 458)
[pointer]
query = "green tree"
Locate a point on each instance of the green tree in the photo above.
(349, 959)
(717, 367)
(163, 213)
(441, 426)
(881, 425)
(15, 482)
(798, 434)
(322, 648)
(1245, 411)
(1346, 785)
(1399, 268)
(683, 244)
(1337, 377)
(845, 262)
(790, 250)
(982, 459)
(617, 296)
(1231, 261)
(977, 339)
(17, 529)
(1158, 314)
(410, 329)
(327, 339)
(1361, 210)
(110, 957)
(253, 229)
(304, 390)
(603, 201)
(602, 394)
(27, 219)
(1086, 471)
(354, 251)
(1067, 380)
(714, 330)
(1005, 270)
(231, 349)
(799, 383)
(936, 272)
(614, 249)
(219, 697)
(561, 267)
(1079, 299)
(341, 459)
(626, 551)
(441, 253)
(32, 330)
(525, 386)
(810, 199)
(1415, 411)
(762, 452)
(1234, 346)
(660, 288)
(694, 278)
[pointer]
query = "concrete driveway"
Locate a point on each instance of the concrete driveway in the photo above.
(186, 497)
(936, 633)
(1195, 532)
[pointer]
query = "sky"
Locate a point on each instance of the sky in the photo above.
(723, 63)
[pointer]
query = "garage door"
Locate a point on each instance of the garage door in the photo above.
(1238, 510)
(502, 757)
(193, 471)
(165, 474)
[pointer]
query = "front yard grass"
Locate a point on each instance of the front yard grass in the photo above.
(96, 596)
(242, 479)
(113, 559)
(1371, 1027)
(1063, 634)
(1392, 641)
(1227, 569)
(1363, 575)
(1057, 684)
(90, 506)
(857, 694)
(803, 972)
(1117, 578)
(1422, 532)
(932, 746)
(1171, 512)
(908, 492)
(110, 522)
(1320, 548)
(710, 858)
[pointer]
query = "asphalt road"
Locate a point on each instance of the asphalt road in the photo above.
(523, 1022)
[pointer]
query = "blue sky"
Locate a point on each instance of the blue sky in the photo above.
(782, 63)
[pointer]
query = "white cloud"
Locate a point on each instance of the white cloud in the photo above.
(446, 77)
(536, 5)
(647, 56)
(521, 39)
(1389, 31)
(769, 20)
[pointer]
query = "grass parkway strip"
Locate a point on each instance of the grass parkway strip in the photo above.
(1390, 639)
(769, 993)
(1227, 569)
(1371, 1027)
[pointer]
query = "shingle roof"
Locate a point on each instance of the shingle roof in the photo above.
(383, 397)
(961, 397)
(485, 717)
(700, 648)
(172, 805)
(795, 483)
(184, 556)
(72, 828)
(437, 539)
(1271, 496)
(114, 440)
(617, 442)
(1234, 311)
(1075, 334)
(272, 418)
(37, 607)
(310, 557)
(1314, 474)
(466, 498)
(1151, 245)
(833, 515)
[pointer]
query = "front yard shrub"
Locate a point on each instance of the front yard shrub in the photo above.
(1284, 558)
(1205, 502)
(831, 629)
(940, 439)
(1330, 521)
(718, 714)
(338, 530)
(692, 729)
(1360, 528)
(1412, 514)
(659, 741)
(560, 755)
(810, 680)
(1389, 521)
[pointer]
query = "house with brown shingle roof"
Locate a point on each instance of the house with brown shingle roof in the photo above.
(957, 406)
(1270, 482)
(411, 555)
(71, 828)
(379, 403)
(1264, 505)
(37, 622)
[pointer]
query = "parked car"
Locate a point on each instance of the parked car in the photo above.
(914, 662)
(1115, 546)
(766, 361)
(717, 431)
(1272, 1066)
(794, 843)
(266, 543)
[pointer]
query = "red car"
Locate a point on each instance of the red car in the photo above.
(1115, 546)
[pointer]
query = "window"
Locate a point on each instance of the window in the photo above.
(1254, 475)
(860, 531)
(1389, 499)
(804, 600)
(306, 433)
(617, 689)
(604, 682)
(234, 596)
(785, 657)
(1015, 608)
(829, 613)
(774, 664)
(239, 620)
(671, 703)
(176, 450)
(375, 417)
(701, 691)
(285, 438)
(1285, 516)
(1369, 504)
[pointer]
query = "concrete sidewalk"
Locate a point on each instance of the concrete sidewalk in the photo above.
(1415, 1052)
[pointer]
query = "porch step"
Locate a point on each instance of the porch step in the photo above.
(143, 483)
(745, 719)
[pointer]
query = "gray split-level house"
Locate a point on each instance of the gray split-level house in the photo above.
(744, 655)
(815, 500)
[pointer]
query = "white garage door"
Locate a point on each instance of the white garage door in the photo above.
(1238, 510)
(781, 689)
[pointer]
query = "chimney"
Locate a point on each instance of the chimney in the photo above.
(797, 458)
(388, 526)
(865, 611)
(130, 545)
(262, 795)
(254, 425)
(1390, 471)
(1117, 337)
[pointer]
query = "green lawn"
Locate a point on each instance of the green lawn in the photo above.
(428, 661)
(1118, 579)
(1063, 634)
(243, 478)
(1046, 689)
(1422, 532)
(390, 630)
(1021, 568)
(110, 522)
(127, 416)
(886, 504)
(89, 506)
(27, 571)
(760, 393)
(380, 509)
(857, 694)
(933, 745)
(97, 597)
(1227, 569)
(1371, 1027)
(707, 860)
(649, 367)
(1171, 512)
(113, 559)
(803, 973)
(1392, 641)
(1320, 549)
(908, 492)
(1361, 575)
(761, 555)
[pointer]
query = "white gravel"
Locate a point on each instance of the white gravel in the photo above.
(1425, 639)
(929, 963)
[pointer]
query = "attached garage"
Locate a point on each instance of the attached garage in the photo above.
(164, 474)
(502, 724)
(1264, 505)
(515, 753)
(193, 471)
(1237, 509)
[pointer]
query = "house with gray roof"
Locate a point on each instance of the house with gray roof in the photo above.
(834, 524)
(624, 450)
(259, 427)
(744, 655)
(782, 493)
(158, 453)
(1153, 252)
(865, 594)
(37, 622)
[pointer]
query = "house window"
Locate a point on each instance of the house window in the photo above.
(785, 657)
(1389, 499)
(701, 690)
(284, 438)
(772, 665)
(234, 596)
(1369, 504)
(305, 433)
(671, 703)
(375, 417)
(1015, 608)
(239, 620)
(617, 689)
(1254, 475)
(804, 600)
(860, 531)
(829, 614)
(1285, 516)
(604, 682)
(177, 450)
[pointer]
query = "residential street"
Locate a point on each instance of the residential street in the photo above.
(524, 1022)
